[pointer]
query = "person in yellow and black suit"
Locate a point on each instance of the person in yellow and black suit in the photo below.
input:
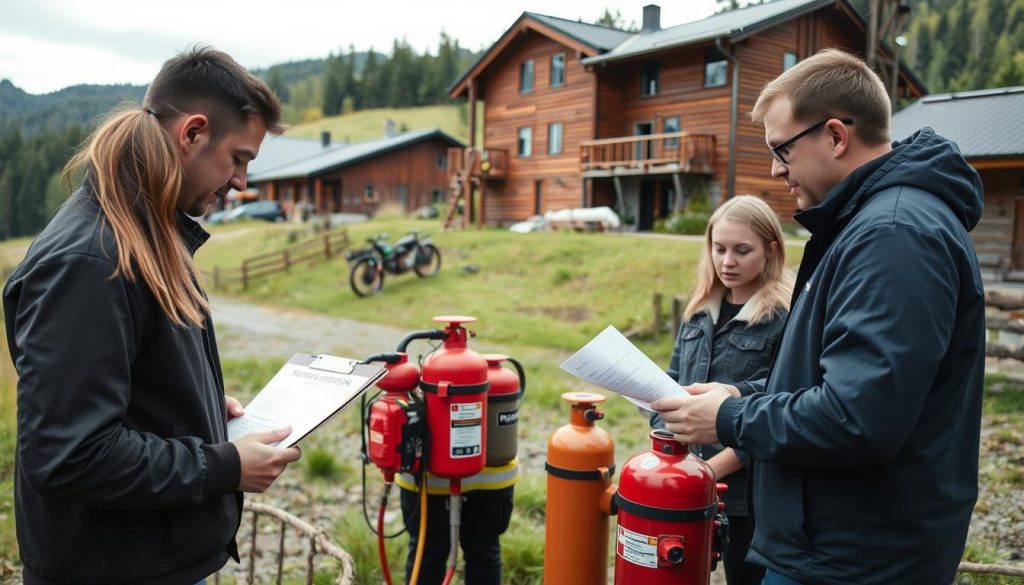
(486, 510)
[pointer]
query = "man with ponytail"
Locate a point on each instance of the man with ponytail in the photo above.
(124, 473)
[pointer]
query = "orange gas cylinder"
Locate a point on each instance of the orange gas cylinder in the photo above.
(580, 464)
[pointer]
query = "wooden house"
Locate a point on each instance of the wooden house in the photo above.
(580, 115)
(408, 169)
(988, 127)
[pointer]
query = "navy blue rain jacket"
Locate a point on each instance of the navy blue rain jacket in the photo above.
(866, 434)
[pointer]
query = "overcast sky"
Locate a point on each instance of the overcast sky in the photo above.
(49, 44)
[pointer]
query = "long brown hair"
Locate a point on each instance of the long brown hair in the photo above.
(776, 280)
(134, 167)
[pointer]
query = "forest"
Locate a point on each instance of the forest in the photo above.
(951, 45)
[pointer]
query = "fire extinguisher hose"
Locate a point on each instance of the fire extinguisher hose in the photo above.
(422, 538)
(455, 520)
(382, 550)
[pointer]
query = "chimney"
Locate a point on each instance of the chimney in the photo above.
(389, 128)
(325, 138)
(652, 18)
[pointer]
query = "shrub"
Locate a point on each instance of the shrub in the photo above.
(320, 464)
(689, 222)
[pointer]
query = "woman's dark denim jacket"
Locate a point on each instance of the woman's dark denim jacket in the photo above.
(739, 352)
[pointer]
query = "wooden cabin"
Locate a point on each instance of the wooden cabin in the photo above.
(409, 169)
(581, 115)
(988, 128)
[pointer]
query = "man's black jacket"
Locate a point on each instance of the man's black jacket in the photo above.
(866, 435)
(123, 469)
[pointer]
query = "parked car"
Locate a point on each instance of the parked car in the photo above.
(265, 210)
(216, 217)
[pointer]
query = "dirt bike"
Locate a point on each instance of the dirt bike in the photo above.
(411, 252)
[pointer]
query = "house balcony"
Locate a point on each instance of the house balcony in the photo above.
(651, 154)
(490, 164)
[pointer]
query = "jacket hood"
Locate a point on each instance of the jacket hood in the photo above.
(932, 163)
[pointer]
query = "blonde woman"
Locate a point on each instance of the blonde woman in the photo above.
(731, 327)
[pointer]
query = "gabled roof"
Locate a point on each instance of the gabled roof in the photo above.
(588, 39)
(599, 37)
(984, 124)
(345, 155)
(734, 23)
(278, 151)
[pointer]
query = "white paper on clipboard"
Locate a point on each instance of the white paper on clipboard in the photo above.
(304, 394)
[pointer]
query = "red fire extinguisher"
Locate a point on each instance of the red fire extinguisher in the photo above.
(454, 384)
(395, 427)
(670, 529)
(503, 397)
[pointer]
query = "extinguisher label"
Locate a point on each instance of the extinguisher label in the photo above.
(508, 418)
(637, 548)
(466, 429)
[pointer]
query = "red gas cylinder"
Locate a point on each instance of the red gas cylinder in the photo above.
(395, 441)
(667, 504)
(503, 396)
(454, 384)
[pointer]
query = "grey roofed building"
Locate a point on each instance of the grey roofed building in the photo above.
(336, 157)
(985, 124)
(733, 23)
(278, 151)
(600, 37)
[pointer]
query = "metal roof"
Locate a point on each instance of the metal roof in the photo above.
(278, 151)
(985, 123)
(600, 37)
(725, 24)
(344, 155)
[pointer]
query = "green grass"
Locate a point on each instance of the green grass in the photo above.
(1003, 395)
(554, 290)
(369, 124)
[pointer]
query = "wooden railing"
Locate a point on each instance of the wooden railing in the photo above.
(319, 543)
(327, 246)
(679, 151)
(488, 163)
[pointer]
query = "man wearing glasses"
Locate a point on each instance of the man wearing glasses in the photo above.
(865, 434)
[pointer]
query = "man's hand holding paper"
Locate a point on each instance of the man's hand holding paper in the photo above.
(691, 417)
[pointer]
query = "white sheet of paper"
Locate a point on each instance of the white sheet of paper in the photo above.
(298, 396)
(612, 362)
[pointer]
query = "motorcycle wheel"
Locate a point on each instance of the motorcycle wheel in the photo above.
(365, 279)
(428, 261)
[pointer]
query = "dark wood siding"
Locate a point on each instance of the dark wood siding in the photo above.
(760, 62)
(506, 110)
(414, 168)
(994, 233)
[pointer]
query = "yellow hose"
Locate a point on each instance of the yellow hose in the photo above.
(421, 540)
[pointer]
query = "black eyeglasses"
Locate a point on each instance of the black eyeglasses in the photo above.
(780, 150)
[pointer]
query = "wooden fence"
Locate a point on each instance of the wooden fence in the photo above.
(1006, 320)
(327, 246)
(319, 543)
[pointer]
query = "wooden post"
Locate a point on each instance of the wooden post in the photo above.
(287, 261)
(677, 314)
(245, 276)
(658, 317)
(280, 552)
(327, 246)
(216, 278)
(252, 550)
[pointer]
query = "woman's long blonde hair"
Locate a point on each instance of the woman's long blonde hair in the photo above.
(134, 168)
(776, 280)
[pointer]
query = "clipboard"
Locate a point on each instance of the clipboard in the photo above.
(308, 391)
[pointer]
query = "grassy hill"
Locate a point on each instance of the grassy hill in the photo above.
(369, 124)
